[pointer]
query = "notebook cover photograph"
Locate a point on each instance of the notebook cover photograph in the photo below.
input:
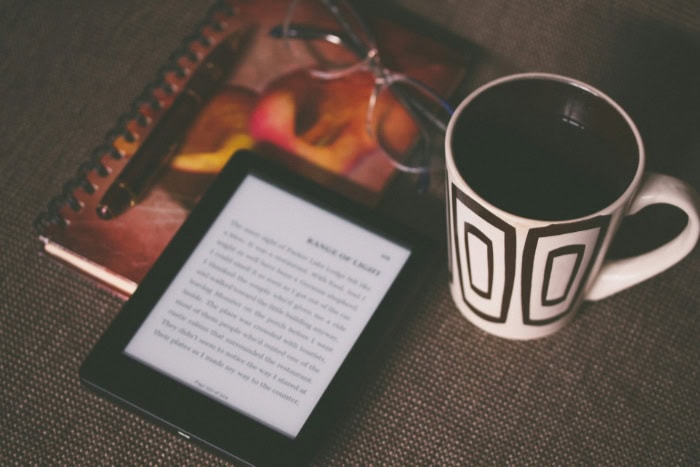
(270, 102)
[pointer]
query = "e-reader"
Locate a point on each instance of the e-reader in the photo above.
(253, 328)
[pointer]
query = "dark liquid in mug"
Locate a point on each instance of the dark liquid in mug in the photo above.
(540, 167)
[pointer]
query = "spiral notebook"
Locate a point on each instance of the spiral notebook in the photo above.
(264, 102)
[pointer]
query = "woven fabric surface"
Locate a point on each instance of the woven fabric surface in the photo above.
(617, 386)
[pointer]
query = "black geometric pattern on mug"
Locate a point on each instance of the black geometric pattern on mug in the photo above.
(485, 263)
(555, 256)
(448, 217)
(566, 268)
(474, 240)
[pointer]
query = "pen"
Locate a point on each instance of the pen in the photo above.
(159, 147)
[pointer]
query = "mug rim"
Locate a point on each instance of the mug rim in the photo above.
(455, 177)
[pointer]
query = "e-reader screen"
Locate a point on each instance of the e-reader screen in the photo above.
(257, 322)
(268, 305)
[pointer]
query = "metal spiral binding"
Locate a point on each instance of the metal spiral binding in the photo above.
(132, 124)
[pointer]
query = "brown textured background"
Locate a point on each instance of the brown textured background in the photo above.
(620, 385)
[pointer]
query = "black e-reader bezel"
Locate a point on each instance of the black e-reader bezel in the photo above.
(202, 419)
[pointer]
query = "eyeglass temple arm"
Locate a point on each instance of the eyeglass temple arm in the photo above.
(418, 112)
(415, 106)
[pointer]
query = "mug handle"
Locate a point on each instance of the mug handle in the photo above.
(617, 275)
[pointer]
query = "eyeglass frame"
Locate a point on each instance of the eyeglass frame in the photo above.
(368, 53)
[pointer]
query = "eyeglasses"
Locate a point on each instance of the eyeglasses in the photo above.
(406, 118)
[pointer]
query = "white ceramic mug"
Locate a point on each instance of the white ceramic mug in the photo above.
(541, 170)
